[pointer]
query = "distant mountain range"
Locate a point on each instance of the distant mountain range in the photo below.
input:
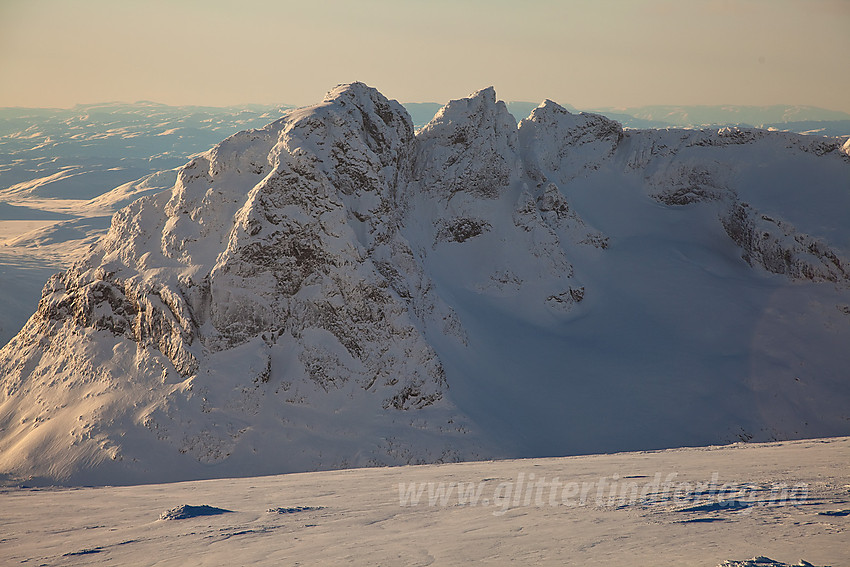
(337, 289)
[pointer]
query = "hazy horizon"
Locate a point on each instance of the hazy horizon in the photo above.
(285, 104)
(587, 54)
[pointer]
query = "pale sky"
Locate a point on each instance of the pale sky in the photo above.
(586, 53)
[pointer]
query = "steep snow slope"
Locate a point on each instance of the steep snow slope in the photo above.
(331, 291)
(648, 328)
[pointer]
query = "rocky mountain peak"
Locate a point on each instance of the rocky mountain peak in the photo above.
(463, 120)
(334, 290)
(470, 146)
(556, 140)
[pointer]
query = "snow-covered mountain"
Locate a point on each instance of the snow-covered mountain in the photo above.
(59, 169)
(332, 290)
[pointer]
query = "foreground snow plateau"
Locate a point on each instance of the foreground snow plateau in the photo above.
(783, 501)
(333, 291)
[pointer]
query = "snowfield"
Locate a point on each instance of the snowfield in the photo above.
(745, 505)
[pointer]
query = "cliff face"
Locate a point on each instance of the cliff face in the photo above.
(332, 290)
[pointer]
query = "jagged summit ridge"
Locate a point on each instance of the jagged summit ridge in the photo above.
(469, 146)
(559, 141)
(334, 290)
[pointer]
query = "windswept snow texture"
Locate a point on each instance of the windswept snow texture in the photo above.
(332, 290)
(520, 512)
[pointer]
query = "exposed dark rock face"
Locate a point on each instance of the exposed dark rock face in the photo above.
(778, 248)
